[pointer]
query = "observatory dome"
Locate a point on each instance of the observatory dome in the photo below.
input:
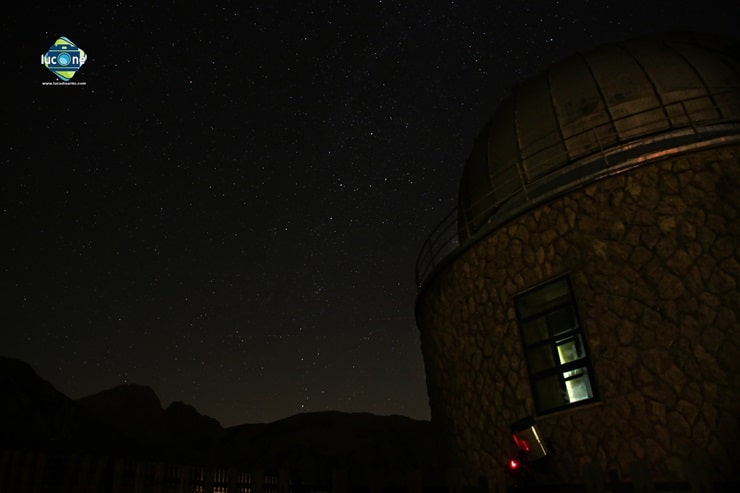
(596, 113)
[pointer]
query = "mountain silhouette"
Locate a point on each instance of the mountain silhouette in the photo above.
(315, 444)
(133, 409)
(36, 416)
(179, 432)
(129, 420)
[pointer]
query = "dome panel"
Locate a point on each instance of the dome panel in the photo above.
(498, 141)
(720, 74)
(502, 147)
(584, 119)
(676, 82)
(538, 128)
(477, 183)
(632, 101)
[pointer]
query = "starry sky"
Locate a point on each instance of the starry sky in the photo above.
(229, 205)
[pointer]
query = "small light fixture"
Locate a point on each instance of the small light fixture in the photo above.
(528, 439)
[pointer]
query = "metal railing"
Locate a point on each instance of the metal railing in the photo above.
(552, 169)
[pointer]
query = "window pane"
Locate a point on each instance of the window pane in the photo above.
(550, 393)
(542, 298)
(570, 349)
(562, 320)
(552, 324)
(578, 387)
(535, 330)
(541, 358)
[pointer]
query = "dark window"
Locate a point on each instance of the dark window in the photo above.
(559, 369)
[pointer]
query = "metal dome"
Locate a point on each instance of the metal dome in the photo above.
(592, 115)
(595, 103)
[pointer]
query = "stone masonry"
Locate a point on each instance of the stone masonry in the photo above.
(654, 259)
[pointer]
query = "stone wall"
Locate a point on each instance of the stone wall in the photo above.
(654, 259)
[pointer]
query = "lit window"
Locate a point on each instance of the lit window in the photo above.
(559, 369)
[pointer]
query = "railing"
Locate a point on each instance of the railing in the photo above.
(39, 472)
(556, 164)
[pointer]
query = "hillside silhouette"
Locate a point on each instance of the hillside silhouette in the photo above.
(129, 420)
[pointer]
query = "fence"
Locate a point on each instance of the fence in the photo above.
(39, 472)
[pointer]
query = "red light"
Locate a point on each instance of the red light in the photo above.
(513, 464)
(520, 442)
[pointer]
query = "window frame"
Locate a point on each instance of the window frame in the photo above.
(554, 340)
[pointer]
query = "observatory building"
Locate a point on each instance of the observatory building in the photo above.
(579, 310)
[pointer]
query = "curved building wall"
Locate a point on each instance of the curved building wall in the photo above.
(654, 261)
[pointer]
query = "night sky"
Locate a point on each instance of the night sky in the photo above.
(230, 208)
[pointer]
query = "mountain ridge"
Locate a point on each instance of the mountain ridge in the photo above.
(129, 420)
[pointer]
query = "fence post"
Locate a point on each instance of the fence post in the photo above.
(283, 478)
(208, 480)
(185, 478)
(97, 477)
(5, 470)
(231, 480)
(522, 178)
(38, 475)
(414, 481)
(117, 485)
(28, 467)
(69, 474)
(339, 481)
(601, 148)
(158, 481)
(83, 474)
(138, 477)
(258, 481)
(14, 465)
